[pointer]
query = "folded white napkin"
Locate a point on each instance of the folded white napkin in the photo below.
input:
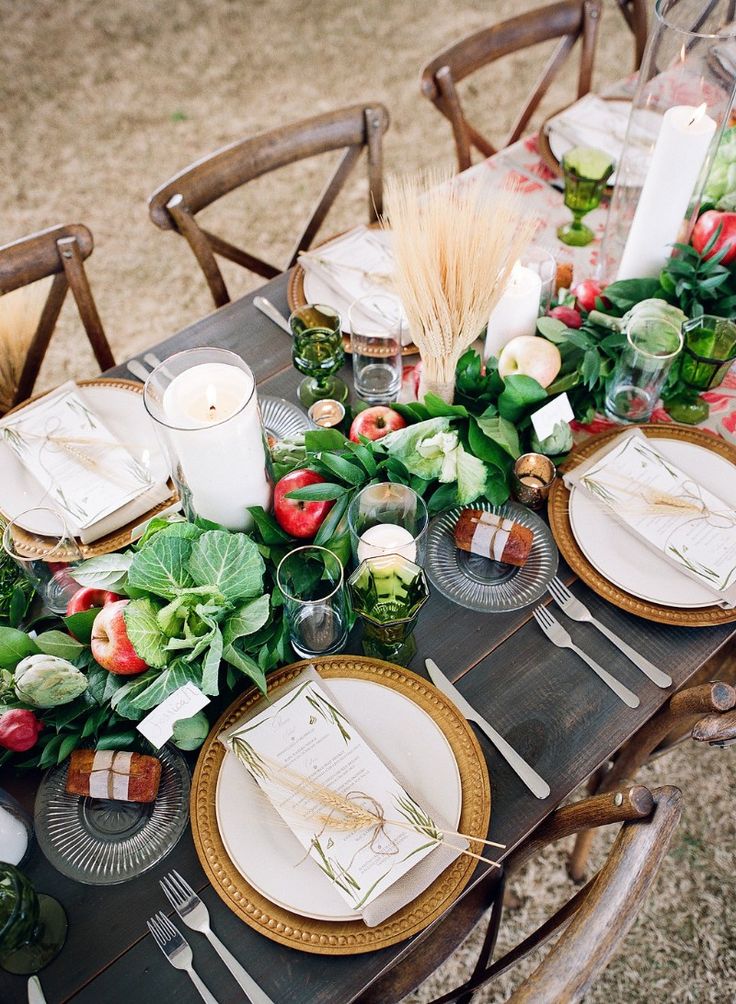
(423, 874)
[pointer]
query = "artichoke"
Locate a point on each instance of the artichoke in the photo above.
(47, 680)
(653, 309)
(558, 442)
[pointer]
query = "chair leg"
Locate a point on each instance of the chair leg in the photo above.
(578, 860)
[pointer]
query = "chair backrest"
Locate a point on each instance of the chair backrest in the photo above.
(635, 15)
(568, 20)
(175, 204)
(60, 252)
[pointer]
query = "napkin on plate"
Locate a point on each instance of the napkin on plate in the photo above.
(422, 875)
(86, 473)
(357, 264)
(665, 509)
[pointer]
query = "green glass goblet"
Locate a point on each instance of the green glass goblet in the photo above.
(387, 593)
(318, 352)
(32, 925)
(586, 172)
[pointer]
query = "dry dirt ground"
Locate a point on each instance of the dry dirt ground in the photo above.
(101, 101)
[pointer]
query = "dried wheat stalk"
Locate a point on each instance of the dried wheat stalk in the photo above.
(454, 246)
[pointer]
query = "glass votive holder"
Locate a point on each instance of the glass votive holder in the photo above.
(326, 414)
(45, 560)
(544, 263)
(388, 519)
(315, 601)
(531, 479)
(708, 352)
(376, 327)
(634, 387)
(387, 593)
(16, 831)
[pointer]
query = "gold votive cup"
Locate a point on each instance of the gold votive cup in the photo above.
(327, 413)
(531, 479)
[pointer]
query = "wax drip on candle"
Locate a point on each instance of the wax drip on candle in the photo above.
(211, 394)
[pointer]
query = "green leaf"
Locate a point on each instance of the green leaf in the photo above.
(566, 382)
(211, 664)
(319, 440)
(271, 533)
(519, 393)
(472, 474)
(60, 644)
(627, 292)
(342, 468)
(70, 743)
(50, 751)
(144, 632)
(80, 625)
(552, 329)
(247, 619)
(161, 567)
(413, 411)
(229, 561)
(497, 489)
(107, 571)
(332, 520)
(117, 740)
(591, 368)
(171, 526)
(437, 408)
(246, 665)
(14, 646)
(502, 432)
(364, 456)
(150, 689)
(317, 493)
(484, 448)
(444, 498)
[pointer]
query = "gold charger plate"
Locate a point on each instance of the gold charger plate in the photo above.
(559, 520)
(32, 544)
(342, 937)
(296, 296)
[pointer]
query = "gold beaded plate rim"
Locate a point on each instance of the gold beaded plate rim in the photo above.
(559, 519)
(342, 937)
(33, 543)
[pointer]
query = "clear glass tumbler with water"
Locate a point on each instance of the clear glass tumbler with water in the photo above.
(641, 370)
(44, 548)
(315, 601)
(376, 326)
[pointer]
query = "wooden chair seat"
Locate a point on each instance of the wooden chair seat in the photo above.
(176, 203)
(60, 252)
(597, 917)
(567, 20)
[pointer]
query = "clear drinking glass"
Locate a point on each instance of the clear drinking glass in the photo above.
(635, 384)
(543, 262)
(318, 352)
(46, 560)
(388, 519)
(315, 601)
(376, 326)
(709, 351)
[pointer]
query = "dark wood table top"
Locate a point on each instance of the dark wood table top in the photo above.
(542, 699)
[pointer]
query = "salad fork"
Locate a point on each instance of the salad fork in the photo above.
(577, 611)
(195, 915)
(177, 951)
(559, 637)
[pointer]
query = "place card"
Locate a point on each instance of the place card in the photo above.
(318, 772)
(666, 509)
(158, 727)
(549, 415)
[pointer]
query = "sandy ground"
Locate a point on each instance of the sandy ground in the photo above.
(101, 101)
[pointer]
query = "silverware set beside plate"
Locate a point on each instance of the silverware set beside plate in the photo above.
(194, 914)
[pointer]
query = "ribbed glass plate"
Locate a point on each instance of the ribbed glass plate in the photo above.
(103, 842)
(480, 584)
(282, 418)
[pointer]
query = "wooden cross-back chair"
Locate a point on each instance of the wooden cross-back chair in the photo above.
(635, 15)
(175, 204)
(597, 917)
(568, 20)
(705, 713)
(59, 252)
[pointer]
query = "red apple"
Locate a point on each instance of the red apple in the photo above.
(299, 519)
(110, 644)
(586, 293)
(88, 597)
(568, 315)
(375, 423)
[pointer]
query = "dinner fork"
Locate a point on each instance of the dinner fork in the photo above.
(559, 637)
(577, 611)
(194, 913)
(177, 951)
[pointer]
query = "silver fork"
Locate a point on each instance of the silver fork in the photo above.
(194, 913)
(559, 637)
(177, 951)
(577, 611)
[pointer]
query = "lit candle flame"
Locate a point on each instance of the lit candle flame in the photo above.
(698, 114)
(211, 395)
(683, 53)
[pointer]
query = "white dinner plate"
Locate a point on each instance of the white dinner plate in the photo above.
(266, 852)
(122, 410)
(626, 562)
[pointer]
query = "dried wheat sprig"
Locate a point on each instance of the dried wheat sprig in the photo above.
(454, 247)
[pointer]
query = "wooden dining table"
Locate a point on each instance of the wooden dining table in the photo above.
(544, 700)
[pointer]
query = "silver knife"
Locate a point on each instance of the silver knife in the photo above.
(537, 785)
(35, 993)
(272, 313)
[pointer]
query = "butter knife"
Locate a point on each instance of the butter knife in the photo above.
(35, 993)
(537, 785)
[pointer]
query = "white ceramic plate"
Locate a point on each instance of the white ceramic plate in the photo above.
(265, 851)
(122, 411)
(624, 561)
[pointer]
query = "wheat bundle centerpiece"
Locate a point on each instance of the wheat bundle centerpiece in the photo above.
(454, 247)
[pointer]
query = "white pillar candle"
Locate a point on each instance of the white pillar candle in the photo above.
(517, 310)
(386, 538)
(218, 439)
(13, 838)
(679, 154)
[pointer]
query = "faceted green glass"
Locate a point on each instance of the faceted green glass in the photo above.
(387, 593)
(709, 351)
(32, 925)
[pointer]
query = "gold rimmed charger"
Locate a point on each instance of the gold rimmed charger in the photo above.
(32, 544)
(342, 937)
(559, 519)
